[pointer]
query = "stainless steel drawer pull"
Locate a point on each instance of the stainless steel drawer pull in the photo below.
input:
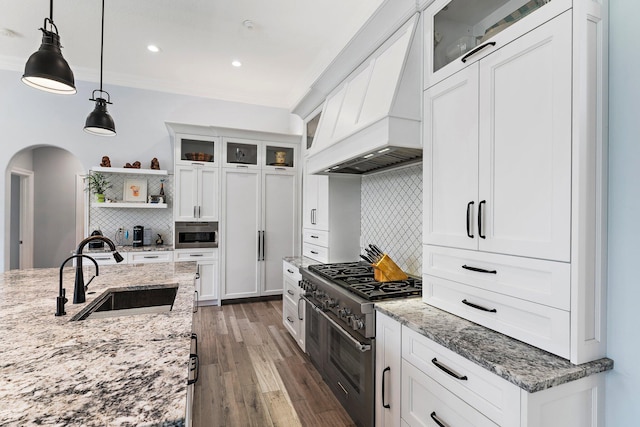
(290, 271)
(448, 370)
(479, 307)
(101, 258)
(476, 50)
(194, 255)
(437, 420)
(315, 237)
(289, 319)
(314, 252)
(151, 256)
(290, 292)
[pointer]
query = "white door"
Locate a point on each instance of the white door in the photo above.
(321, 216)
(451, 161)
(388, 365)
(241, 220)
(309, 200)
(186, 193)
(278, 219)
(208, 205)
(208, 280)
(525, 144)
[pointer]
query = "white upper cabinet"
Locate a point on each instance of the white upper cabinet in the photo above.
(198, 150)
(197, 193)
(498, 136)
(460, 32)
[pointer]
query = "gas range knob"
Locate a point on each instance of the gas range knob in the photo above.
(356, 323)
(344, 313)
(329, 303)
(318, 294)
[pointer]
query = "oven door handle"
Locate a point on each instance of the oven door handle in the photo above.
(360, 346)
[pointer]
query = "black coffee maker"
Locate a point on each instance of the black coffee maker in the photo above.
(96, 244)
(138, 236)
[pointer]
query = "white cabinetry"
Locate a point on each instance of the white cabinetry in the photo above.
(440, 387)
(196, 195)
(512, 183)
(207, 277)
(388, 363)
(148, 257)
(293, 307)
(258, 222)
(331, 218)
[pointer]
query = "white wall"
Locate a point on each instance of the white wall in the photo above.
(623, 342)
(30, 117)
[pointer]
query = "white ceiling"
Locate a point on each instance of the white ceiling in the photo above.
(291, 43)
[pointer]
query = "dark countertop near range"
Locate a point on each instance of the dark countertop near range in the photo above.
(119, 371)
(528, 367)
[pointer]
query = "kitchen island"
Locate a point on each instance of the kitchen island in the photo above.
(118, 371)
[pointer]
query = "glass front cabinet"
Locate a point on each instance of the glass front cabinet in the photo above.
(197, 150)
(253, 154)
(459, 32)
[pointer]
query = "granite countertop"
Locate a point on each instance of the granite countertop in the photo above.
(528, 367)
(300, 261)
(126, 248)
(119, 371)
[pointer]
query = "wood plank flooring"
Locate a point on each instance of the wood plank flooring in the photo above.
(252, 373)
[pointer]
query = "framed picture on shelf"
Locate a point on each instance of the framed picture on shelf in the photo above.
(135, 190)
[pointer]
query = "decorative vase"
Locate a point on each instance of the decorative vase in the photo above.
(99, 197)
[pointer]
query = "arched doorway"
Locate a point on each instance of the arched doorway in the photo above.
(45, 207)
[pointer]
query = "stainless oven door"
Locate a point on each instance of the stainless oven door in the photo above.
(345, 362)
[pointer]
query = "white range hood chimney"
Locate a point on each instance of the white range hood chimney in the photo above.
(372, 120)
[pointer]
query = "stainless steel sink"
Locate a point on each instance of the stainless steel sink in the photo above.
(130, 300)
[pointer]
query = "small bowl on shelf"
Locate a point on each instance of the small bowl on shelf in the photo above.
(199, 157)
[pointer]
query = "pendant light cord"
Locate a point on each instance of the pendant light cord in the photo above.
(101, 44)
(51, 10)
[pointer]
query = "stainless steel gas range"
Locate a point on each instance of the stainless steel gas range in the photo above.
(340, 329)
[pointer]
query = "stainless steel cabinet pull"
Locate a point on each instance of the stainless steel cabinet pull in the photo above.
(196, 302)
(290, 271)
(281, 169)
(259, 245)
(314, 237)
(480, 230)
(476, 50)
(101, 258)
(151, 256)
(194, 338)
(343, 389)
(196, 254)
(387, 369)
(289, 319)
(242, 166)
(479, 307)
(300, 300)
(263, 239)
(194, 212)
(289, 291)
(199, 214)
(437, 420)
(469, 205)
(449, 371)
(479, 270)
(314, 252)
(195, 366)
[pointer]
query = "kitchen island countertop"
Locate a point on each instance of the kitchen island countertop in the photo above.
(118, 371)
(528, 367)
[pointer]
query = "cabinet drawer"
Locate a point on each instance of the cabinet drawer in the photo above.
(195, 255)
(291, 272)
(102, 258)
(149, 257)
(539, 281)
(319, 253)
(495, 397)
(536, 324)
(316, 237)
(290, 318)
(291, 290)
(424, 401)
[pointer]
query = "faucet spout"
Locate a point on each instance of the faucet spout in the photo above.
(79, 286)
(61, 299)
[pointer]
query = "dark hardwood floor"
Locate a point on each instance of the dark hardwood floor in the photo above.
(252, 373)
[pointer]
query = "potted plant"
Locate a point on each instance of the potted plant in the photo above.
(98, 184)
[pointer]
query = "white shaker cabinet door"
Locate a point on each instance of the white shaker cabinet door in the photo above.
(208, 207)
(525, 144)
(186, 194)
(451, 161)
(278, 226)
(241, 193)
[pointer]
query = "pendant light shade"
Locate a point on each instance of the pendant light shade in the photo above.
(99, 122)
(46, 69)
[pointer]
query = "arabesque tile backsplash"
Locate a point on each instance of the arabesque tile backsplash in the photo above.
(108, 220)
(391, 215)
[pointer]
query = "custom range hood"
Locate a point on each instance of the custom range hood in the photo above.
(372, 120)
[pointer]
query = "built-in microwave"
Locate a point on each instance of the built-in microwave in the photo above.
(190, 235)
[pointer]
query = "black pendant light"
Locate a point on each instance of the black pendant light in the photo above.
(99, 122)
(46, 69)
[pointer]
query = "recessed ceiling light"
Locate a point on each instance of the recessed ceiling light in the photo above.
(153, 48)
(236, 63)
(248, 23)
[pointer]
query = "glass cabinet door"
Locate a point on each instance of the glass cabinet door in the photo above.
(464, 27)
(241, 153)
(280, 156)
(196, 149)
